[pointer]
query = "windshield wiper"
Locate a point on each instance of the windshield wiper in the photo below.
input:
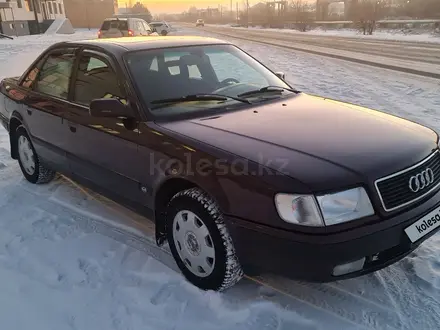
(268, 89)
(198, 97)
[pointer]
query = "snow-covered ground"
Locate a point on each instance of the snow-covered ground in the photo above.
(71, 259)
(383, 34)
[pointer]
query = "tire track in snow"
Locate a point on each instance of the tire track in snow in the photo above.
(404, 288)
(391, 96)
(349, 306)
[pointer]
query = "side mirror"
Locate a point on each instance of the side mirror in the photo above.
(110, 108)
(281, 75)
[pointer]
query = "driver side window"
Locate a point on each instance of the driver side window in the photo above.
(228, 66)
(96, 79)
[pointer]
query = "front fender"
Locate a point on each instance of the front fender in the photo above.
(211, 186)
(170, 183)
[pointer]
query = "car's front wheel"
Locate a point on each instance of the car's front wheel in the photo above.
(200, 241)
(30, 164)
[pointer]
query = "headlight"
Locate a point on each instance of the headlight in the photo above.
(324, 210)
(345, 206)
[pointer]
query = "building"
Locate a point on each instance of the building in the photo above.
(20, 17)
(89, 13)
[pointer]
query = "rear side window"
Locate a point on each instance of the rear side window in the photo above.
(54, 77)
(139, 26)
(121, 25)
(30, 78)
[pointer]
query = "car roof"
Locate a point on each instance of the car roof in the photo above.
(122, 19)
(143, 43)
(117, 18)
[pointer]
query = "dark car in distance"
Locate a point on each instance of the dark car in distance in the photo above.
(242, 173)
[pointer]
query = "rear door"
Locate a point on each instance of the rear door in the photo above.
(47, 87)
(103, 150)
(147, 28)
(114, 28)
(139, 28)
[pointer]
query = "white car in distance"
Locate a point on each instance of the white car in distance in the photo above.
(161, 28)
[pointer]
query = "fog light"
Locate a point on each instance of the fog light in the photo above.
(349, 267)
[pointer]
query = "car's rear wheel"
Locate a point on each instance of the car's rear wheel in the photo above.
(200, 241)
(30, 164)
(164, 32)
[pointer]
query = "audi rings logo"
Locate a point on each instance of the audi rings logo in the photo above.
(421, 180)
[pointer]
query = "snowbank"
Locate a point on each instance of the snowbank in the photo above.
(381, 34)
(60, 26)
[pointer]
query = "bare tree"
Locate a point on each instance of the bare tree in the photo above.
(301, 14)
(368, 12)
(139, 8)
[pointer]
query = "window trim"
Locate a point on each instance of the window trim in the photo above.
(100, 56)
(39, 63)
(108, 59)
(42, 59)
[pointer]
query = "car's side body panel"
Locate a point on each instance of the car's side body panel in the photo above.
(102, 150)
(44, 119)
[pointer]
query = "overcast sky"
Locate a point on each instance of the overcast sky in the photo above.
(178, 6)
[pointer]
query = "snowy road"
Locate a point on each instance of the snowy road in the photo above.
(423, 56)
(416, 51)
(71, 259)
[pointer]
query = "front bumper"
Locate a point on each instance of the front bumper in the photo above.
(263, 249)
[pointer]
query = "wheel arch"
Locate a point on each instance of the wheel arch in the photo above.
(170, 187)
(15, 122)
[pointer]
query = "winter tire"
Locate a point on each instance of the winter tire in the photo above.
(30, 164)
(200, 241)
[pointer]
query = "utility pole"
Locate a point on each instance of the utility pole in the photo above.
(86, 9)
(37, 25)
(247, 13)
(232, 11)
(236, 5)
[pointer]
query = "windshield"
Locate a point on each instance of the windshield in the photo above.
(121, 25)
(173, 73)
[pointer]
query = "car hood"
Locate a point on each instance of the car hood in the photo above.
(316, 140)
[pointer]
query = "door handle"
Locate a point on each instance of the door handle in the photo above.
(29, 112)
(72, 127)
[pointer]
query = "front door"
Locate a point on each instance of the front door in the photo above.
(104, 150)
